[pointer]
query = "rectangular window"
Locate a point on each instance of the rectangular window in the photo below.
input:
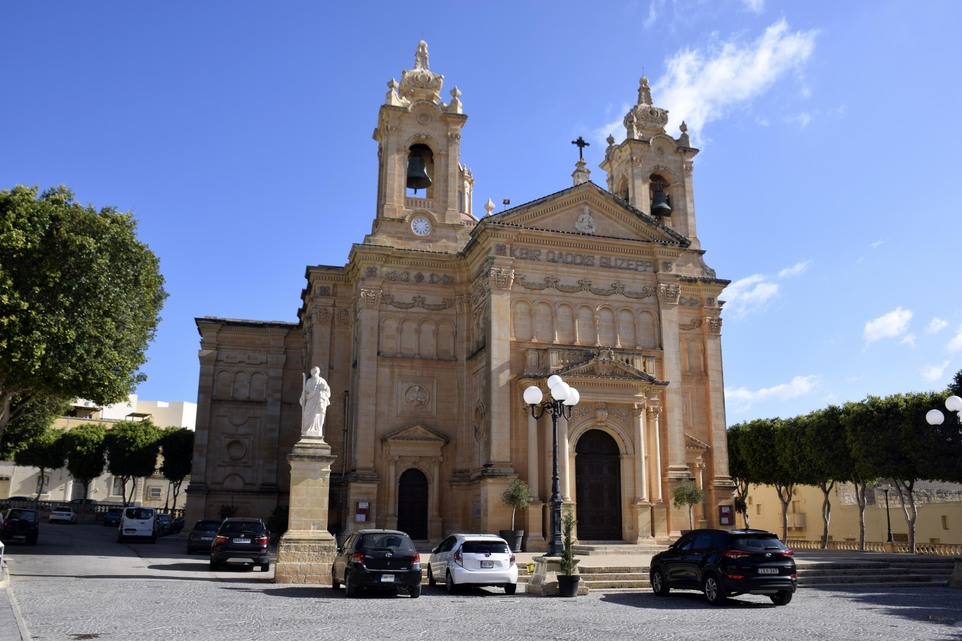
(117, 487)
(758, 509)
(945, 522)
(154, 493)
(43, 482)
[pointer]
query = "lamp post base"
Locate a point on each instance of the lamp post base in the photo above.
(544, 581)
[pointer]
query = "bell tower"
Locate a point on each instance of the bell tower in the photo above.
(423, 190)
(650, 169)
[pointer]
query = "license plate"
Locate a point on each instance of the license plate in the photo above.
(768, 570)
(242, 541)
(387, 578)
(487, 564)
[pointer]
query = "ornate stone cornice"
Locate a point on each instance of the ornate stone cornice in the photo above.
(585, 285)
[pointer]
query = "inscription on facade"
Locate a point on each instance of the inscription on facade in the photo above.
(582, 260)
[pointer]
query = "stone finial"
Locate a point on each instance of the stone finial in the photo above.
(581, 173)
(421, 56)
(489, 206)
(610, 140)
(455, 104)
(644, 92)
(421, 83)
(392, 98)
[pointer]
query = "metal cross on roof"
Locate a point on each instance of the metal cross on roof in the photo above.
(582, 143)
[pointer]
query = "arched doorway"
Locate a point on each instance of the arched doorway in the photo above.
(412, 504)
(598, 487)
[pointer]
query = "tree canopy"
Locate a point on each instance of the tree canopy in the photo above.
(80, 299)
(177, 446)
(132, 450)
(86, 458)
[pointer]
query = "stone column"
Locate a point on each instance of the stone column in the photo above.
(306, 550)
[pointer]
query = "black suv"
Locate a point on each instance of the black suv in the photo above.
(725, 563)
(241, 541)
(20, 523)
(377, 560)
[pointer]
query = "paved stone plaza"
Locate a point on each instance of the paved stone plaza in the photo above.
(80, 584)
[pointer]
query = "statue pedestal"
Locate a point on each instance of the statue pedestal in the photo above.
(306, 551)
(544, 581)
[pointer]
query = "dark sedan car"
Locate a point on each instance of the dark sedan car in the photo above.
(20, 524)
(377, 560)
(112, 516)
(200, 538)
(243, 541)
(724, 563)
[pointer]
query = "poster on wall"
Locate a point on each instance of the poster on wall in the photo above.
(360, 514)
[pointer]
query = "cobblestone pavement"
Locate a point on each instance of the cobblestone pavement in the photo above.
(80, 587)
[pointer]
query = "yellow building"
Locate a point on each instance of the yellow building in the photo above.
(440, 320)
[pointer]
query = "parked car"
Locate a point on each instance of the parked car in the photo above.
(377, 560)
(200, 538)
(722, 564)
(177, 525)
(83, 501)
(163, 523)
(138, 523)
(112, 516)
(20, 524)
(243, 541)
(62, 515)
(473, 559)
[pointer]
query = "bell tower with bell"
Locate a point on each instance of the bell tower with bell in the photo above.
(423, 191)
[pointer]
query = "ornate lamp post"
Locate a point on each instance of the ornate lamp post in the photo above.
(953, 404)
(562, 399)
(888, 520)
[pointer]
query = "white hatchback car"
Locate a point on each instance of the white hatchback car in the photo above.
(473, 559)
(63, 515)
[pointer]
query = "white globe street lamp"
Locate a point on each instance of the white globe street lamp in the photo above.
(562, 400)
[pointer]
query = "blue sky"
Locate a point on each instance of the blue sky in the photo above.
(239, 133)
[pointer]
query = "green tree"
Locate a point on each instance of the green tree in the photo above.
(34, 415)
(955, 387)
(516, 496)
(80, 299)
(84, 447)
(44, 451)
(687, 493)
(739, 469)
(827, 452)
(177, 447)
(132, 450)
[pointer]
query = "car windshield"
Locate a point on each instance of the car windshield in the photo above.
(245, 527)
(207, 525)
(388, 540)
(758, 543)
(485, 547)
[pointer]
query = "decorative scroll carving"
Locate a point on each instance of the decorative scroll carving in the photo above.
(695, 323)
(324, 315)
(585, 285)
(416, 396)
(668, 294)
(501, 278)
(714, 324)
(370, 298)
(667, 266)
(342, 316)
(418, 301)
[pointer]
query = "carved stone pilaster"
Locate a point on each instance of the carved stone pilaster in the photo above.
(714, 324)
(668, 294)
(370, 298)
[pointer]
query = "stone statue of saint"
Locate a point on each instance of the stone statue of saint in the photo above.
(315, 397)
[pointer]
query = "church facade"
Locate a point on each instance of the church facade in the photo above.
(441, 318)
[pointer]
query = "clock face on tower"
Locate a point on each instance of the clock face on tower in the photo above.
(421, 226)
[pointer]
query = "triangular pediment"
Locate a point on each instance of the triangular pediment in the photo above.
(605, 364)
(416, 434)
(692, 443)
(587, 210)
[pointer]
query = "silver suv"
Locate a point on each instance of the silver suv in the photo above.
(473, 559)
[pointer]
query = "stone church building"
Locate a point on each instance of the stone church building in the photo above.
(442, 317)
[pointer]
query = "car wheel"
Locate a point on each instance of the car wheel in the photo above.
(510, 588)
(350, 589)
(415, 591)
(265, 567)
(782, 598)
(713, 590)
(431, 580)
(658, 583)
(449, 584)
(335, 584)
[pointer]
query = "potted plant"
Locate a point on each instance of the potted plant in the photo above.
(516, 495)
(568, 581)
(687, 493)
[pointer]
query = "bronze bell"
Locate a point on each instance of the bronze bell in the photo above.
(417, 177)
(659, 203)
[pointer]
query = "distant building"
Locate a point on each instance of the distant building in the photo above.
(58, 485)
(440, 320)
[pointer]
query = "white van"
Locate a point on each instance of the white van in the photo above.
(138, 523)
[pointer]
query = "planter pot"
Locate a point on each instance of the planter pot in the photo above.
(513, 537)
(568, 585)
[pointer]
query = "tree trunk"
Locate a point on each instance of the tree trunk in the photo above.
(860, 499)
(909, 507)
(785, 496)
(826, 511)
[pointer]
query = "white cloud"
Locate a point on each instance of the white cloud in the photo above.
(755, 6)
(801, 119)
(795, 269)
(877, 244)
(954, 345)
(936, 325)
(891, 325)
(652, 13)
(750, 294)
(741, 399)
(934, 372)
(700, 87)
(908, 339)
